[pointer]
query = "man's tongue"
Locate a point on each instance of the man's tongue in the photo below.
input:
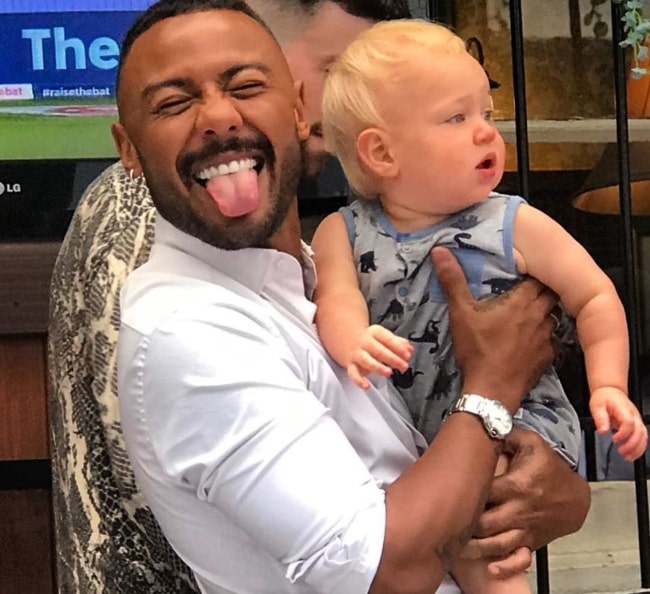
(236, 194)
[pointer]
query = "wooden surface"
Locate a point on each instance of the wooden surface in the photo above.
(25, 273)
(26, 543)
(23, 401)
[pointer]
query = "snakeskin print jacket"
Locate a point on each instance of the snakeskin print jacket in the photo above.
(107, 539)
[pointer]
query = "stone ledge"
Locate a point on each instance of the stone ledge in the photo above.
(603, 557)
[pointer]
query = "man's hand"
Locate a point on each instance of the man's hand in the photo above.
(503, 344)
(537, 500)
(380, 351)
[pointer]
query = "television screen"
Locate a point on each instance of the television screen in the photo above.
(58, 61)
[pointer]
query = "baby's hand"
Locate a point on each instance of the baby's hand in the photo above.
(612, 409)
(378, 350)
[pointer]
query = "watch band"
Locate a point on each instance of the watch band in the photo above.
(471, 403)
(496, 418)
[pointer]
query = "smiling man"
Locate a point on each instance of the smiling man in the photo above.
(253, 180)
(107, 539)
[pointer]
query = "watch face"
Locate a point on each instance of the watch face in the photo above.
(498, 420)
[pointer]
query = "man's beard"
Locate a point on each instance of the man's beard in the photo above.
(315, 155)
(238, 233)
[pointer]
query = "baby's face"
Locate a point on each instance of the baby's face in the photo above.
(438, 112)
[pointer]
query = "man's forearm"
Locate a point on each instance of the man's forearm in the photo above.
(431, 508)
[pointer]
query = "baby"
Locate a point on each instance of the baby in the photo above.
(408, 112)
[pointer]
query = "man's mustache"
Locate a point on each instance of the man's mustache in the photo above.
(216, 146)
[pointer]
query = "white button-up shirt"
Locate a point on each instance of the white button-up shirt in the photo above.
(261, 460)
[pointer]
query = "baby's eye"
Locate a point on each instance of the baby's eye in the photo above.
(488, 115)
(459, 118)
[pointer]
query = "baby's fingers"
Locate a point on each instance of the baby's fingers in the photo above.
(624, 429)
(374, 360)
(601, 419)
(636, 444)
(357, 377)
(398, 346)
(391, 359)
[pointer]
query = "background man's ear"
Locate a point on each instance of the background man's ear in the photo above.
(302, 126)
(125, 149)
(373, 148)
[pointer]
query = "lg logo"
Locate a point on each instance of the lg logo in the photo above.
(10, 189)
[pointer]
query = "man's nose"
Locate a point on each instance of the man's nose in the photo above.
(218, 114)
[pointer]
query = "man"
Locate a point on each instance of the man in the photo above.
(237, 424)
(107, 539)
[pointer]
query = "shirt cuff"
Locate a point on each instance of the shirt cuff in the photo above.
(350, 561)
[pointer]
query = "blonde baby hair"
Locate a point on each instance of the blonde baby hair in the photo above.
(350, 97)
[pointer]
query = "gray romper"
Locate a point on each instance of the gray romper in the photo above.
(397, 278)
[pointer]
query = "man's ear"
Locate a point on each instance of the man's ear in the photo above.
(302, 126)
(373, 149)
(125, 149)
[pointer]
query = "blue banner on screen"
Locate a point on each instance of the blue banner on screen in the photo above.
(22, 6)
(58, 63)
(61, 54)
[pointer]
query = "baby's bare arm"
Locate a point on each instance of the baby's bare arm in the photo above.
(546, 251)
(342, 314)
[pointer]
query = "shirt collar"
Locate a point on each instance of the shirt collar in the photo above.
(252, 267)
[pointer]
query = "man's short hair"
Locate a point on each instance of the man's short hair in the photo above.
(164, 9)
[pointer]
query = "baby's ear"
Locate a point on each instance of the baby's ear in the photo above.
(373, 149)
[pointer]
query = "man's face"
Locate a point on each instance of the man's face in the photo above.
(310, 56)
(210, 113)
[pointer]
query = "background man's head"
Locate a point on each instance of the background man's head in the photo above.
(312, 34)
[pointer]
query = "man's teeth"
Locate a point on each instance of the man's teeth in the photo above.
(225, 169)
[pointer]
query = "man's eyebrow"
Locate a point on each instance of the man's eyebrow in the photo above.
(178, 82)
(237, 68)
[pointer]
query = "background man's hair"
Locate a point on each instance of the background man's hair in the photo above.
(375, 10)
(164, 9)
(288, 18)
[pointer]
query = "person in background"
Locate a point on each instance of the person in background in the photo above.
(266, 467)
(107, 538)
